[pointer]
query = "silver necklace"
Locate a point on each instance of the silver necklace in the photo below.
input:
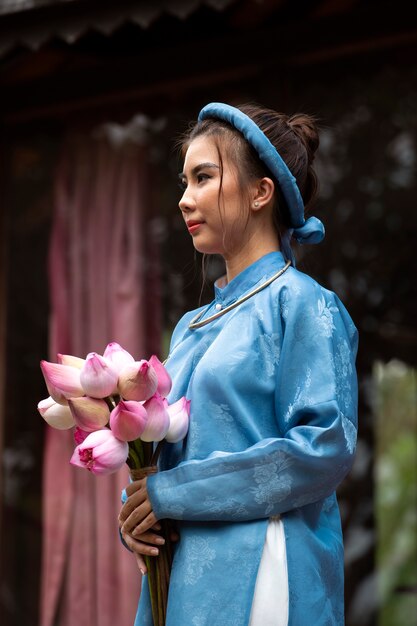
(195, 323)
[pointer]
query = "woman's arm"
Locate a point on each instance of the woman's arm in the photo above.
(272, 477)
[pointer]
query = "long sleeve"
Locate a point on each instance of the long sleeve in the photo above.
(315, 411)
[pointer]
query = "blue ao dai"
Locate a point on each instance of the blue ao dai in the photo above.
(273, 393)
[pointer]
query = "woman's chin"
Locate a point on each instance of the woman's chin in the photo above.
(204, 247)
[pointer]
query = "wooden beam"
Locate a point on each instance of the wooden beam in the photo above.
(354, 48)
(165, 88)
(173, 68)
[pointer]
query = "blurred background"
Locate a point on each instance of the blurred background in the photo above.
(92, 249)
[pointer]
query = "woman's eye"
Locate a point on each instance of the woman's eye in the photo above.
(200, 178)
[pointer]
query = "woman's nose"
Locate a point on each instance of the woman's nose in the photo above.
(187, 202)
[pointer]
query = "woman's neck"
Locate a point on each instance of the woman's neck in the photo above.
(253, 250)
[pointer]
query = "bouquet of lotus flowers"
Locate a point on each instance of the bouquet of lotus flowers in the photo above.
(120, 414)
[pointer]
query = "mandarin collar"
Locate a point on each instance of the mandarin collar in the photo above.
(258, 272)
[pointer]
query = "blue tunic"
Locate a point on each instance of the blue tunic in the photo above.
(273, 427)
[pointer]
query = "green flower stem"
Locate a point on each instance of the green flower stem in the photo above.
(157, 452)
(152, 585)
(109, 400)
(133, 458)
(136, 448)
(147, 447)
(161, 616)
(143, 455)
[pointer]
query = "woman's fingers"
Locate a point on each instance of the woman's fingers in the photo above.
(139, 547)
(141, 564)
(150, 537)
(146, 523)
(136, 485)
(139, 514)
(132, 503)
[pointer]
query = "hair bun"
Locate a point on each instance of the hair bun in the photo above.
(305, 127)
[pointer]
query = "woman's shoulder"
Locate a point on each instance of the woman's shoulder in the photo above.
(183, 323)
(300, 287)
(300, 294)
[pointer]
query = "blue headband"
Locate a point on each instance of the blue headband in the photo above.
(304, 231)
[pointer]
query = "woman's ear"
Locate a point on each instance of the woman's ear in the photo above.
(263, 192)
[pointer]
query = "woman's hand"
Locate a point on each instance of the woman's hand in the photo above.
(142, 545)
(136, 515)
(137, 523)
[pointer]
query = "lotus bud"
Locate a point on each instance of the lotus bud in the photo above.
(138, 381)
(98, 376)
(179, 415)
(158, 420)
(68, 359)
(101, 452)
(128, 420)
(89, 413)
(118, 356)
(55, 414)
(62, 381)
(164, 379)
(80, 435)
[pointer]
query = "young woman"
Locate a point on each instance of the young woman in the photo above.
(269, 367)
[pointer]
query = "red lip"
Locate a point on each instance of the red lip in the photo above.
(193, 225)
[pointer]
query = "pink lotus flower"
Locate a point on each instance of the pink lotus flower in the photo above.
(138, 381)
(164, 379)
(89, 413)
(98, 376)
(179, 415)
(56, 415)
(62, 381)
(68, 359)
(158, 420)
(118, 356)
(128, 420)
(101, 452)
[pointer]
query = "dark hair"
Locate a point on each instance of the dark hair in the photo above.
(296, 139)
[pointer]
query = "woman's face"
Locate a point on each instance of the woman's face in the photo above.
(214, 229)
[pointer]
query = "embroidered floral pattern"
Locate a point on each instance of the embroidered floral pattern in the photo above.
(301, 396)
(221, 413)
(344, 370)
(199, 556)
(273, 482)
(269, 351)
(230, 506)
(177, 510)
(325, 320)
(350, 433)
